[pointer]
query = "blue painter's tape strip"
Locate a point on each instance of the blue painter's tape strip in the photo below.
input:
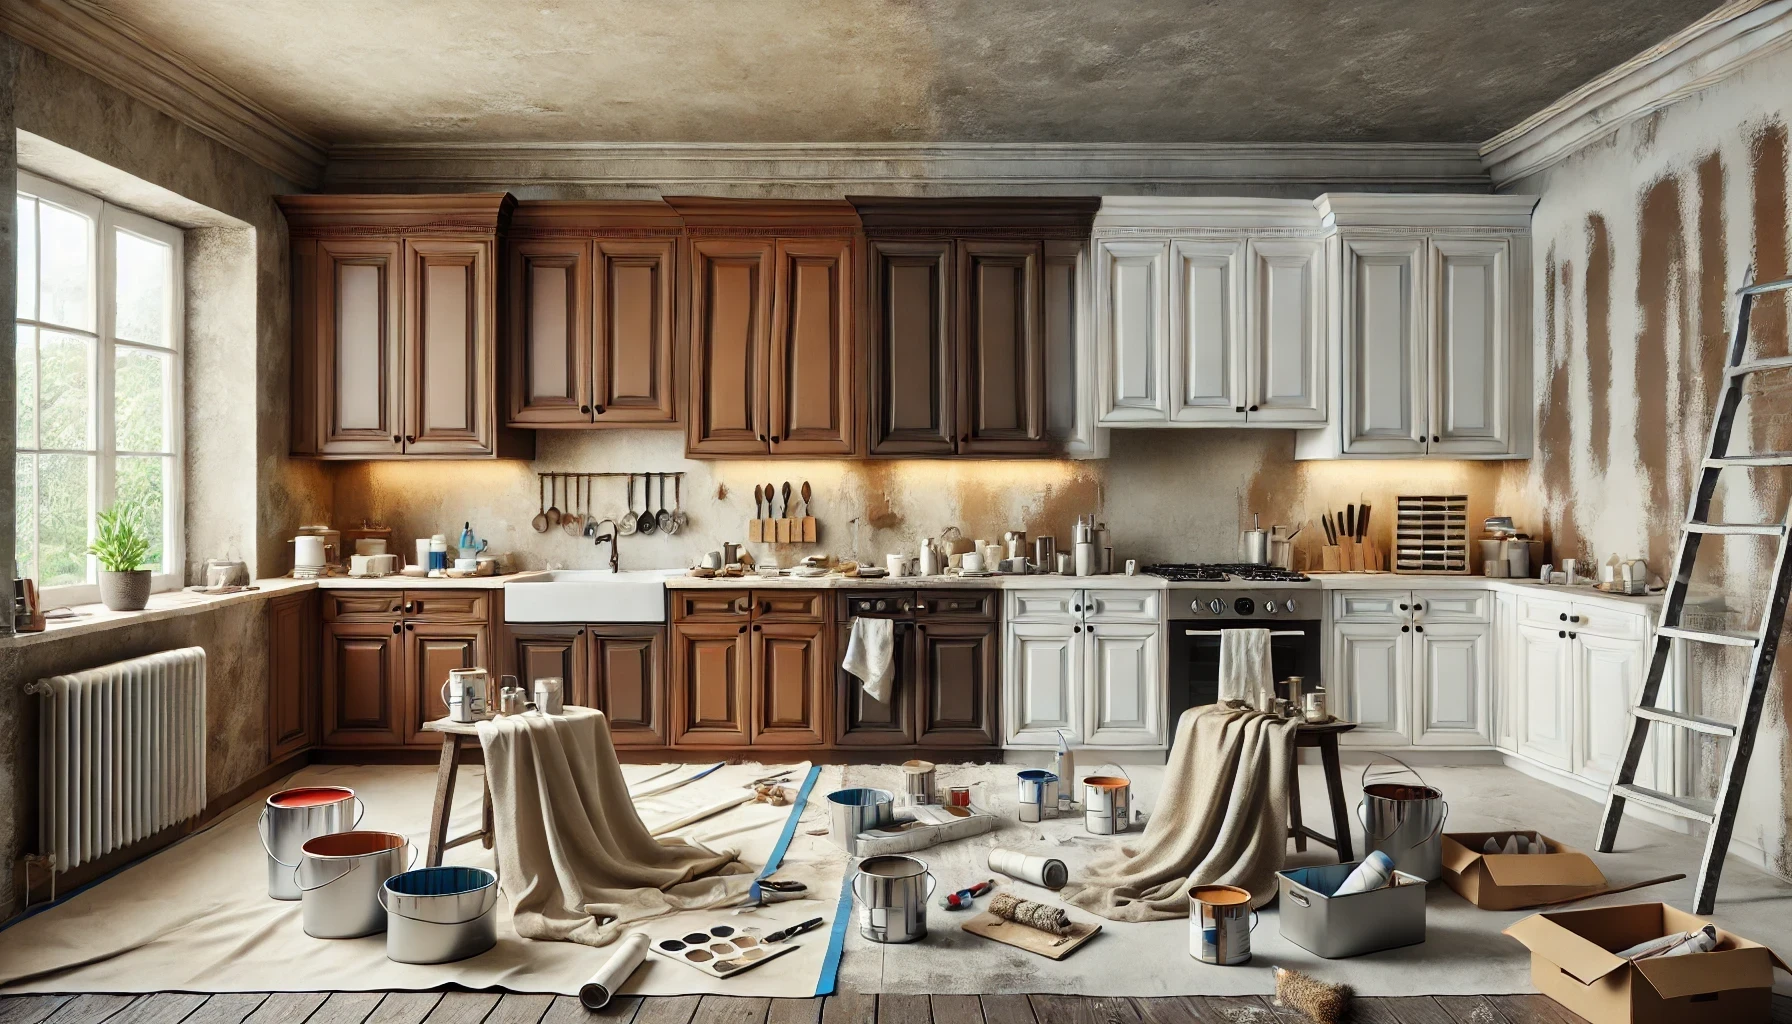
(773, 862)
(830, 964)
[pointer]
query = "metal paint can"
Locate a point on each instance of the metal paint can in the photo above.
(293, 817)
(892, 892)
(958, 796)
(1220, 921)
(1404, 821)
(1107, 804)
(1038, 794)
(437, 915)
(1049, 872)
(917, 782)
(340, 876)
(851, 811)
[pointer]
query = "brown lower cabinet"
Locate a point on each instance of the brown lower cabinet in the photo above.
(944, 690)
(628, 682)
(292, 674)
(956, 680)
(860, 721)
(363, 682)
(711, 670)
(386, 655)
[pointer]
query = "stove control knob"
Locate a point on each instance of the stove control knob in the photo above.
(1244, 606)
(1216, 606)
(1269, 607)
(1290, 604)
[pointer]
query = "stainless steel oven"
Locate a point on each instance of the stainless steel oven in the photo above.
(1199, 618)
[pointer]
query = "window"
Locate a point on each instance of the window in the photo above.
(99, 383)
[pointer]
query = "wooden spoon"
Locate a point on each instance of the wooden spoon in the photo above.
(626, 526)
(540, 522)
(553, 501)
(805, 499)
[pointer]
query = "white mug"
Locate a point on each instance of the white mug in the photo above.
(465, 694)
(897, 564)
(972, 561)
(550, 695)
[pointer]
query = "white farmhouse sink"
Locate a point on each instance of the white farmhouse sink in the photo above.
(588, 595)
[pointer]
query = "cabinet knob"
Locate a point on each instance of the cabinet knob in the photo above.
(1562, 633)
(742, 629)
(1573, 618)
(774, 439)
(1418, 629)
(1239, 409)
(410, 439)
(1573, 636)
(1418, 607)
(1253, 408)
(1404, 629)
(1403, 608)
(410, 625)
(1563, 616)
(1076, 607)
(1076, 629)
(584, 408)
(907, 607)
(1435, 439)
(756, 627)
(397, 440)
(600, 410)
(396, 628)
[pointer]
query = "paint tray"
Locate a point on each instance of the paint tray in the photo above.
(721, 951)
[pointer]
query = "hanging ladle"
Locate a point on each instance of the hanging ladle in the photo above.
(647, 523)
(664, 519)
(540, 522)
(627, 526)
(553, 501)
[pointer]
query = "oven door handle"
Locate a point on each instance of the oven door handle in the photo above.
(1217, 632)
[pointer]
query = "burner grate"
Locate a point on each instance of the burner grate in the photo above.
(1220, 572)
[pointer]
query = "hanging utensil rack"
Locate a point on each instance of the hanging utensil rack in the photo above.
(563, 478)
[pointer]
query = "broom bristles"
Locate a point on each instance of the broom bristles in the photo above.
(1322, 1001)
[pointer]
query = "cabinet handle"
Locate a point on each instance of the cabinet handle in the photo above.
(1076, 607)
(907, 607)
(584, 408)
(1239, 409)
(1573, 618)
(1404, 629)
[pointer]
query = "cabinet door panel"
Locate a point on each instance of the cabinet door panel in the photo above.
(1384, 346)
(537, 652)
(1471, 347)
(731, 300)
(550, 332)
(1001, 354)
(359, 289)
(1207, 371)
(448, 347)
(1285, 332)
(791, 672)
(1454, 667)
(1123, 682)
(292, 674)
(432, 649)
(1608, 674)
(628, 682)
(1373, 663)
(1544, 671)
(362, 665)
(812, 395)
(913, 405)
(860, 721)
(1069, 360)
(1042, 672)
(711, 668)
(956, 673)
(635, 327)
(1132, 331)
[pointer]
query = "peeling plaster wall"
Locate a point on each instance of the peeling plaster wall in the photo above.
(1639, 241)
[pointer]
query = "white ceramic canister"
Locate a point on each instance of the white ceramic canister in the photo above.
(1107, 804)
(550, 695)
(467, 694)
(293, 817)
(340, 876)
(307, 551)
(1220, 920)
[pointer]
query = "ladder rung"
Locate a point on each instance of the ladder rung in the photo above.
(1766, 286)
(1761, 459)
(1755, 529)
(1682, 806)
(1683, 721)
(1761, 366)
(1705, 636)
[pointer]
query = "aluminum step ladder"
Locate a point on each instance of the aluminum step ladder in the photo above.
(1720, 813)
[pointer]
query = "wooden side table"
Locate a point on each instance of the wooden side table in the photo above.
(1324, 737)
(455, 735)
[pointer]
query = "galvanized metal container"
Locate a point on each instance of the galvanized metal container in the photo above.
(893, 892)
(1405, 821)
(1341, 926)
(1220, 922)
(340, 877)
(1107, 804)
(291, 817)
(917, 782)
(1038, 794)
(851, 811)
(437, 915)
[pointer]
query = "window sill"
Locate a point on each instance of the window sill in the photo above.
(165, 605)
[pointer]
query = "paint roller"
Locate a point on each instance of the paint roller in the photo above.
(597, 992)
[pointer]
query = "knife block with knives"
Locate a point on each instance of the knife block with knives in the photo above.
(1349, 546)
(782, 528)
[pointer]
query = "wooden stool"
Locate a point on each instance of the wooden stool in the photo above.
(1323, 736)
(454, 736)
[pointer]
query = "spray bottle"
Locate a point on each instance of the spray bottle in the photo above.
(1064, 767)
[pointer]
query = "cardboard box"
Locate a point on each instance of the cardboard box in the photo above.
(1571, 963)
(1513, 881)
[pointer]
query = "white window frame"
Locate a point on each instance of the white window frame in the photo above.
(108, 220)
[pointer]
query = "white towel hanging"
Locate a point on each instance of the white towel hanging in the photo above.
(870, 655)
(1245, 672)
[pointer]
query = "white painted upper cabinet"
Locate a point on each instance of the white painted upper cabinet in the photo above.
(1132, 368)
(1285, 324)
(1384, 345)
(1206, 331)
(1472, 328)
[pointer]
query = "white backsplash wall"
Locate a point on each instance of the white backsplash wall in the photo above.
(1166, 495)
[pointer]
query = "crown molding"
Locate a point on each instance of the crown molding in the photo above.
(902, 166)
(1697, 57)
(93, 41)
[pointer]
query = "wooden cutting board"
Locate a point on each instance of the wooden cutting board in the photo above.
(1032, 940)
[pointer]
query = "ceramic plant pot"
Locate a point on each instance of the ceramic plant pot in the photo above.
(124, 591)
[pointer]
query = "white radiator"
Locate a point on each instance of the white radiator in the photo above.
(121, 753)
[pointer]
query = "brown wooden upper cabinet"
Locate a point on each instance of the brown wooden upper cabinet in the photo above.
(772, 293)
(395, 326)
(594, 314)
(960, 297)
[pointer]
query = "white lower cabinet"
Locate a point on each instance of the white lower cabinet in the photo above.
(1102, 680)
(1372, 674)
(1452, 683)
(1413, 667)
(1541, 678)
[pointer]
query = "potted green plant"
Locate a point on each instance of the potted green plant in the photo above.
(122, 546)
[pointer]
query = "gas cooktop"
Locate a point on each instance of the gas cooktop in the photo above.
(1224, 572)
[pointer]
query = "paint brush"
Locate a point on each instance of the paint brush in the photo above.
(793, 931)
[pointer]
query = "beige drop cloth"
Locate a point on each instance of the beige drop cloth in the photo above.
(1222, 820)
(574, 858)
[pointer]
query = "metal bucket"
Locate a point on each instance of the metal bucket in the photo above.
(1362, 922)
(1107, 803)
(851, 811)
(917, 782)
(892, 898)
(1038, 794)
(1220, 922)
(340, 877)
(291, 817)
(437, 915)
(1404, 821)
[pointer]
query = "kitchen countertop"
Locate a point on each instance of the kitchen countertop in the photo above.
(402, 582)
(1409, 581)
(1042, 582)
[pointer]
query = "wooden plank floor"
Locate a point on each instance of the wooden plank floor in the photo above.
(458, 1007)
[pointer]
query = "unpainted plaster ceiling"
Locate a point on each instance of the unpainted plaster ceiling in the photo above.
(906, 70)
